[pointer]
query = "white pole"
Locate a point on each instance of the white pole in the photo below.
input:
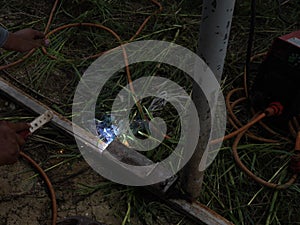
(214, 33)
(212, 47)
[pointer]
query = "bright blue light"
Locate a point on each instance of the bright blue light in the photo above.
(106, 131)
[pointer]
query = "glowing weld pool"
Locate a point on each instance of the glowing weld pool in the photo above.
(107, 132)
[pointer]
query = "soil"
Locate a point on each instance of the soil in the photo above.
(24, 199)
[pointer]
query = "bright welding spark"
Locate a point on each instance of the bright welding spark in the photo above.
(106, 131)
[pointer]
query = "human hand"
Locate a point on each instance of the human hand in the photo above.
(25, 40)
(11, 141)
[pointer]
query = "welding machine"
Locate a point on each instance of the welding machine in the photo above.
(278, 76)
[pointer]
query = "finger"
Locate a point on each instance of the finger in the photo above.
(19, 126)
(37, 34)
(40, 42)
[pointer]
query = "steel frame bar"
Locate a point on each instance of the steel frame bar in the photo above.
(194, 210)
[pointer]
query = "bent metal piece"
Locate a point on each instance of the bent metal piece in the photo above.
(197, 211)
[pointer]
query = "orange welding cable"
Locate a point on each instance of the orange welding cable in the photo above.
(110, 31)
(47, 34)
(48, 182)
(78, 25)
(125, 54)
(252, 175)
(297, 144)
(27, 55)
(240, 130)
(146, 20)
(230, 106)
(18, 61)
(235, 122)
(50, 17)
(251, 135)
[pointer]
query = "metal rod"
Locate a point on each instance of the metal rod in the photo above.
(199, 212)
(193, 210)
(212, 47)
(115, 152)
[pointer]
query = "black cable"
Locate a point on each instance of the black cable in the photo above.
(250, 42)
(280, 13)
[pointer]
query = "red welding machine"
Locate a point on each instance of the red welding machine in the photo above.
(278, 77)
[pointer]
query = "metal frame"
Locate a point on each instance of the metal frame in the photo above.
(193, 210)
(213, 41)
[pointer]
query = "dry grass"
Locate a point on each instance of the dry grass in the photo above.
(226, 189)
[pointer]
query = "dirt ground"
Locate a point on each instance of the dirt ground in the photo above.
(24, 199)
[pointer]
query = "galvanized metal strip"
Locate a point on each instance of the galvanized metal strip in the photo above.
(114, 152)
(40, 121)
(199, 212)
(58, 120)
(120, 152)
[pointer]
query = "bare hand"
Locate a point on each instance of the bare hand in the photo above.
(25, 40)
(11, 141)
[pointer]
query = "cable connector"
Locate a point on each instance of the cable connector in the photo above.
(274, 109)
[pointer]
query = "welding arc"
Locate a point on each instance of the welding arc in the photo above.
(47, 34)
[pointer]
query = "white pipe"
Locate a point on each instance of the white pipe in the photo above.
(214, 33)
(212, 47)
